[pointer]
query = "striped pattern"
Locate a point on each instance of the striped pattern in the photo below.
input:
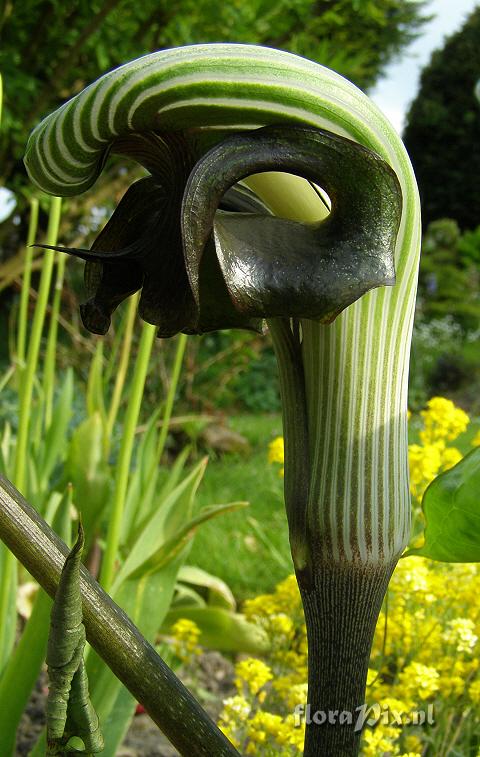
(357, 368)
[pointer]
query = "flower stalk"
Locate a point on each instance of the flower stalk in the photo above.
(226, 259)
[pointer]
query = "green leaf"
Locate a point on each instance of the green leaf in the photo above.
(172, 546)
(143, 479)
(154, 497)
(162, 526)
(55, 445)
(95, 384)
(222, 630)
(10, 616)
(216, 591)
(87, 471)
(23, 666)
(451, 506)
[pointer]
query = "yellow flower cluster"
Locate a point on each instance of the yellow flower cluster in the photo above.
(276, 453)
(250, 728)
(185, 635)
(252, 674)
(271, 692)
(424, 655)
(442, 422)
(429, 654)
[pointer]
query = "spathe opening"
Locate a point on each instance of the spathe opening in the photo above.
(290, 196)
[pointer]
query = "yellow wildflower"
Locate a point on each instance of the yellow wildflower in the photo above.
(442, 420)
(428, 655)
(413, 745)
(185, 639)
(450, 457)
(474, 691)
(422, 679)
(253, 674)
(378, 740)
(276, 452)
(424, 462)
(460, 632)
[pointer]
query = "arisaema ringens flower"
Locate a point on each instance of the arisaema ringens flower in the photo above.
(245, 147)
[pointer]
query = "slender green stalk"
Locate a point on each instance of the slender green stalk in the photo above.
(50, 354)
(27, 276)
(121, 372)
(122, 468)
(95, 384)
(131, 658)
(8, 580)
(177, 366)
(34, 347)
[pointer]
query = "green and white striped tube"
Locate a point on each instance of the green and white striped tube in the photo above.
(356, 369)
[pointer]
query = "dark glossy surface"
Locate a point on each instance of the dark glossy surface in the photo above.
(202, 268)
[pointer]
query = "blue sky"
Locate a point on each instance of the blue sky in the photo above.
(394, 93)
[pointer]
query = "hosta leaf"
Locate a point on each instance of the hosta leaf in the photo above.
(451, 505)
(213, 588)
(222, 630)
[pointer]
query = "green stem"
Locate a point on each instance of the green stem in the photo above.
(122, 469)
(27, 276)
(8, 583)
(34, 348)
(172, 389)
(131, 658)
(50, 354)
(121, 373)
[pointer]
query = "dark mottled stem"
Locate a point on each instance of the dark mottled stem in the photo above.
(341, 604)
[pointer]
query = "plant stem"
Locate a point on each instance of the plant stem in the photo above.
(34, 348)
(27, 275)
(49, 366)
(341, 599)
(121, 372)
(8, 578)
(122, 469)
(167, 414)
(295, 429)
(133, 660)
(341, 605)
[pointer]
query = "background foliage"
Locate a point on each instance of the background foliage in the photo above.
(443, 130)
(50, 50)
